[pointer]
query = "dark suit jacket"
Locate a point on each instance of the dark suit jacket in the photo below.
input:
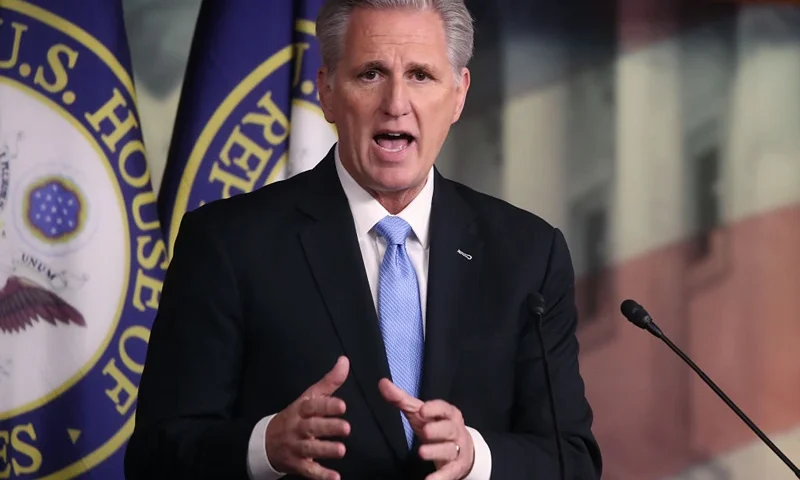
(265, 290)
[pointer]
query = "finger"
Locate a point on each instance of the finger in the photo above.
(439, 409)
(324, 427)
(443, 452)
(322, 407)
(314, 471)
(398, 397)
(439, 431)
(312, 449)
(450, 471)
(332, 380)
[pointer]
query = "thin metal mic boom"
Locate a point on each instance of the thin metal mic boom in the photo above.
(639, 317)
(536, 305)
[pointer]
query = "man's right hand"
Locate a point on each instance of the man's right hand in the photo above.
(294, 436)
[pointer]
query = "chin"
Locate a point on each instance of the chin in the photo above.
(396, 180)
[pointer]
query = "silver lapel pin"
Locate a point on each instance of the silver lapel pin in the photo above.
(465, 255)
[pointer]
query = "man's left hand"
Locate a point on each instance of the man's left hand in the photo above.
(440, 429)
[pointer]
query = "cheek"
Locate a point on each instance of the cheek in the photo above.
(440, 109)
(359, 108)
(437, 120)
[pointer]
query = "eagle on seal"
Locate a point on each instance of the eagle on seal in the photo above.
(23, 301)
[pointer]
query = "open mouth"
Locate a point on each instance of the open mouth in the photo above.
(393, 141)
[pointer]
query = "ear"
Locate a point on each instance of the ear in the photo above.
(461, 94)
(324, 82)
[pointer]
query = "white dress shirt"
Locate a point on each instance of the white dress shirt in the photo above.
(367, 212)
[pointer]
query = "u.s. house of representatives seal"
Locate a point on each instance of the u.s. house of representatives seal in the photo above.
(246, 143)
(81, 257)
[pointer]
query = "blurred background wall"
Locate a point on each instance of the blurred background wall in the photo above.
(663, 137)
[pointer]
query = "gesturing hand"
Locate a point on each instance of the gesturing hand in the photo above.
(441, 431)
(294, 436)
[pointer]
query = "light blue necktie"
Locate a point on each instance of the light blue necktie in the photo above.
(400, 311)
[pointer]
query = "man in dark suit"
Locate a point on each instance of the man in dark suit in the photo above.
(368, 318)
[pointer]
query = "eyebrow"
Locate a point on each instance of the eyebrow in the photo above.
(382, 68)
(373, 65)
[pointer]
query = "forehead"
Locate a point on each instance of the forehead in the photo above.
(373, 32)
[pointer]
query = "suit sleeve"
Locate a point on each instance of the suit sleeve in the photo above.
(529, 451)
(185, 427)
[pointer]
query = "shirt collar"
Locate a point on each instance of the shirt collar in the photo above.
(367, 211)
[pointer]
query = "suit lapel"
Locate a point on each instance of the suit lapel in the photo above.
(333, 254)
(454, 266)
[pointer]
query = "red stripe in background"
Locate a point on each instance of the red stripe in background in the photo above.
(734, 312)
(644, 22)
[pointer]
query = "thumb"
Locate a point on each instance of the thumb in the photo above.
(398, 397)
(333, 379)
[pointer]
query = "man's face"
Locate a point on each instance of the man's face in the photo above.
(393, 97)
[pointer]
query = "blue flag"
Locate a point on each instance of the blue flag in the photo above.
(82, 257)
(251, 73)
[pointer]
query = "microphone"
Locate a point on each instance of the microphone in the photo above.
(639, 317)
(536, 306)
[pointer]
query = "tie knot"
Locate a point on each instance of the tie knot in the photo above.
(394, 229)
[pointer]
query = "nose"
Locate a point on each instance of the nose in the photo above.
(396, 101)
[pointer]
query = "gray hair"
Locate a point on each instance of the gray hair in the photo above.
(335, 14)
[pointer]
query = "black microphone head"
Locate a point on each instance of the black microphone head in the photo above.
(536, 303)
(635, 313)
(639, 317)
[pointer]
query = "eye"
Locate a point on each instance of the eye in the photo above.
(369, 75)
(420, 76)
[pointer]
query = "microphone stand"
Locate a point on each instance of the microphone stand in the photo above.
(639, 317)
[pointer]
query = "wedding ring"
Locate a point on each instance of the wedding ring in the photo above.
(458, 450)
